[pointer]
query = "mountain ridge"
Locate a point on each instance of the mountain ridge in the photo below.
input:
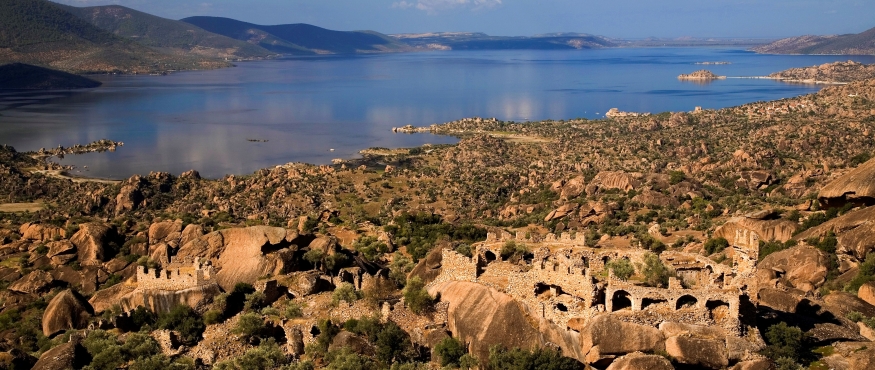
(862, 43)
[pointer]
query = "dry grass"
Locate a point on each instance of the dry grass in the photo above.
(21, 207)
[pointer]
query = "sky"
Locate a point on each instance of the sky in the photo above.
(612, 18)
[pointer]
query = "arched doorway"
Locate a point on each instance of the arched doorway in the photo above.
(686, 301)
(621, 300)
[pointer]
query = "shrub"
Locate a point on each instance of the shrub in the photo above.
(621, 268)
(655, 272)
(371, 248)
(344, 292)
(184, 320)
(518, 359)
(249, 326)
(864, 275)
(399, 268)
(716, 245)
(293, 310)
(675, 177)
(784, 342)
(465, 250)
(267, 355)
(345, 359)
(255, 301)
(511, 251)
(416, 297)
(450, 350)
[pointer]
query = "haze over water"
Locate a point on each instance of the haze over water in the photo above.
(307, 106)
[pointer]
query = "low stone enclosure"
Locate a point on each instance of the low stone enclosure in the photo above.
(567, 283)
(176, 276)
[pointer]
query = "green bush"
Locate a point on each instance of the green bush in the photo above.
(345, 359)
(184, 320)
(293, 310)
(656, 274)
(416, 297)
(518, 359)
(371, 248)
(345, 292)
(267, 355)
(255, 301)
(450, 350)
(621, 268)
(716, 245)
(249, 326)
(675, 177)
(865, 274)
(784, 342)
(399, 268)
(511, 251)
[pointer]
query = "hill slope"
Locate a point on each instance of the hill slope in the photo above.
(155, 31)
(854, 44)
(41, 33)
(481, 41)
(19, 76)
(299, 39)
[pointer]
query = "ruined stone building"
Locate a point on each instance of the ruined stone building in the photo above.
(176, 276)
(567, 283)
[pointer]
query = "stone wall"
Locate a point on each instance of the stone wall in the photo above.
(177, 276)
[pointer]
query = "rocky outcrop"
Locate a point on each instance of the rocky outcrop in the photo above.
(244, 254)
(767, 230)
(91, 241)
(573, 188)
(867, 293)
(856, 186)
(654, 198)
(705, 353)
(103, 300)
(40, 232)
(638, 361)
(68, 310)
(606, 335)
(481, 316)
(561, 212)
(802, 267)
(702, 75)
(161, 301)
(70, 355)
(855, 232)
(429, 267)
(354, 343)
(34, 282)
(613, 180)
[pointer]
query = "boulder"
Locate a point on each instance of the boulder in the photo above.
(40, 232)
(243, 254)
(191, 232)
(103, 300)
(561, 212)
(638, 361)
(68, 310)
(304, 283)
(165, 232)
(758, 364)
(655, 198)
(130, 196)
(779, 230)
(480, 315)
(428, 268)
(34, 282)
(841, 304)
(60, 247)
(779, 300)
(867, 293)
(856, 186)
(673, 329)
(612, 180)
(70, 355)
(802, 267)
(855, 232)
(615, 337)
(90, 242)
(354, 343)
(162, 301)
(325, 244)
(573, 188)
(698, 352)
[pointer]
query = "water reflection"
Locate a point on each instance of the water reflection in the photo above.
(306, 106)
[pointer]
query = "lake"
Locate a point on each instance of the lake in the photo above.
(305, 107)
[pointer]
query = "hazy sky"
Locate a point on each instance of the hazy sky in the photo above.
(613, 18)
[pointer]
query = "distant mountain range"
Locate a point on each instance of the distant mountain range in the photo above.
(853, 44)
(482, 41)
(42, 33)
(154, 31)
(299, 39)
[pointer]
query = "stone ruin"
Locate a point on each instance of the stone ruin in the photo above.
(176, 276)
(565, 282)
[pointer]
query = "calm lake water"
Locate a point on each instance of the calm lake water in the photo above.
(307, 106)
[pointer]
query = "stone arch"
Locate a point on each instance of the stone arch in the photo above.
(489, 256)
(646, 302)
(686, 300)
(561, 307)
(620, 300)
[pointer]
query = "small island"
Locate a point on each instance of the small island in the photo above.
(703, 75)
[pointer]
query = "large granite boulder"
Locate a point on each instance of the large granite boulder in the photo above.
(39, 232)
(428, 268)
(802, 267)
(867, 293)
(613, 180)
(707, 353)
(105, 299)
(639, 361)
(91, 241)
(34, 282)
(354, 343)
(856, 186)
(244, 254)
(609, 336)
(779, 230)
(481, 316)
(841, 304)
(67, 356)
(68, 310)
(855, 232)
(169, 232)
(573, 188)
